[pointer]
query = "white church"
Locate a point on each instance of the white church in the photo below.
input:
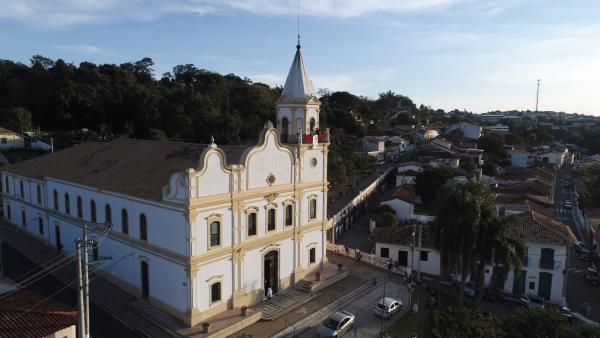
(203, 227)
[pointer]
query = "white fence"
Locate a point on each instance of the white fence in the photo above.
(368, 258)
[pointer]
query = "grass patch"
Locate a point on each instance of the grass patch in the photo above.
(411, 324)
(18, 155)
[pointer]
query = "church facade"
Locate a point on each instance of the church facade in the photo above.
(195, 229)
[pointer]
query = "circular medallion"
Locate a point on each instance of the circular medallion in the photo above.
(271, 179)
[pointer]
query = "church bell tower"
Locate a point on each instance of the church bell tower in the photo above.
(298, 107)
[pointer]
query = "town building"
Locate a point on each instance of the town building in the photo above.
(467, 130)
(201, 228)
(544, 268)
(520, 158)
(27, 314)
(11, 140)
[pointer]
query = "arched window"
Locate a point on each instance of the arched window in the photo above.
(67, 204)
(215, 292)
(215, 233)
(124, 222)
(285, 129)
(55, 196)
(312, 124)
(289, 215)
(143, 228)
(252, 224)
(312, 209)
(23, 220)
(39, 194)
(41, 226)
(79, 207)
(107, 214)
(21, 189)
(93, 211)
(6, 184)
(271, 219)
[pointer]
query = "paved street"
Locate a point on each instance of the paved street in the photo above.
(366, 323)
(579, 290)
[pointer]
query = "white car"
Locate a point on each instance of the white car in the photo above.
(387, 307)
(337, 324)
(533, 302)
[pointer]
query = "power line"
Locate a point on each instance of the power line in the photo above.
(65, 287)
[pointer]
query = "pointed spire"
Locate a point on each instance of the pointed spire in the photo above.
(298, 84)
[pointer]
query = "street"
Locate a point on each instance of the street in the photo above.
(579, 291)
(367, 324)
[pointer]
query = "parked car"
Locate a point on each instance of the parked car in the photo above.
(337, 324)
(469, 289)
(565, 312)
(567, 204)
(387, 307)
(533, 302)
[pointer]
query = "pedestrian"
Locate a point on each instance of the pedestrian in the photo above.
(269, 293)
(360, 257)
(346, 249)
(357, 255)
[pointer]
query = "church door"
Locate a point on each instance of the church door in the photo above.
(271, 273)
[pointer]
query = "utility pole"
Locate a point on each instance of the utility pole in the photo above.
(80, 288)
(419, 264)
(537, 98)
(86, 282)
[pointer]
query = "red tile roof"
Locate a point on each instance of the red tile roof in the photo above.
(23, 314)
(535, 227)
(402, 235)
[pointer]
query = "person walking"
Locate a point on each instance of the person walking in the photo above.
(346, 249)
(357, 255)
(269, 293)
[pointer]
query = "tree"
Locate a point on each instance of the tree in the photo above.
(384, 216)
(16, 119)
(537, 323)
(462, 209)
(428, 181)
(495, 246)
(493, 144)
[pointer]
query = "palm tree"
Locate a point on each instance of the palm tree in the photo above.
(495, 246)
(462, 210)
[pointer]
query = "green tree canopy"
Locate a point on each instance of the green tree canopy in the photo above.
(428, 181)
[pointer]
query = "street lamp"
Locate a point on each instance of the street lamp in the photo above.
(388, 268)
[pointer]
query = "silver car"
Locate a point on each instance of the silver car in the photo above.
(386, 307)
(338, 324)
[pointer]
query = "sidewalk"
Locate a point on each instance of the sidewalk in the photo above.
(359, 275)
(104, 294)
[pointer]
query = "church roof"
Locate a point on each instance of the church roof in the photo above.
(137, 168)
(298, 84)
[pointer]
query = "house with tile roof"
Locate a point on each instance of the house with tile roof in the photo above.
(544, 269)
(11, 140)
(27, 314)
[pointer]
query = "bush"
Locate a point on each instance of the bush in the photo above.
(452, 322)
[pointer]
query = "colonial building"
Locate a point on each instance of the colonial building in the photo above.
(544, 268)
(201, 228)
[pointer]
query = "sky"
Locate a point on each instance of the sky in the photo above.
(478, 55)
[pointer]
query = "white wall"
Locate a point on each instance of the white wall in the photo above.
(404, 210)
(431, 266)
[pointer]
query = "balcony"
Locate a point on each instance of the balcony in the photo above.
(547, 264)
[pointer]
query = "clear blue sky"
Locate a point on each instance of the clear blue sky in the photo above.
(465, 54)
